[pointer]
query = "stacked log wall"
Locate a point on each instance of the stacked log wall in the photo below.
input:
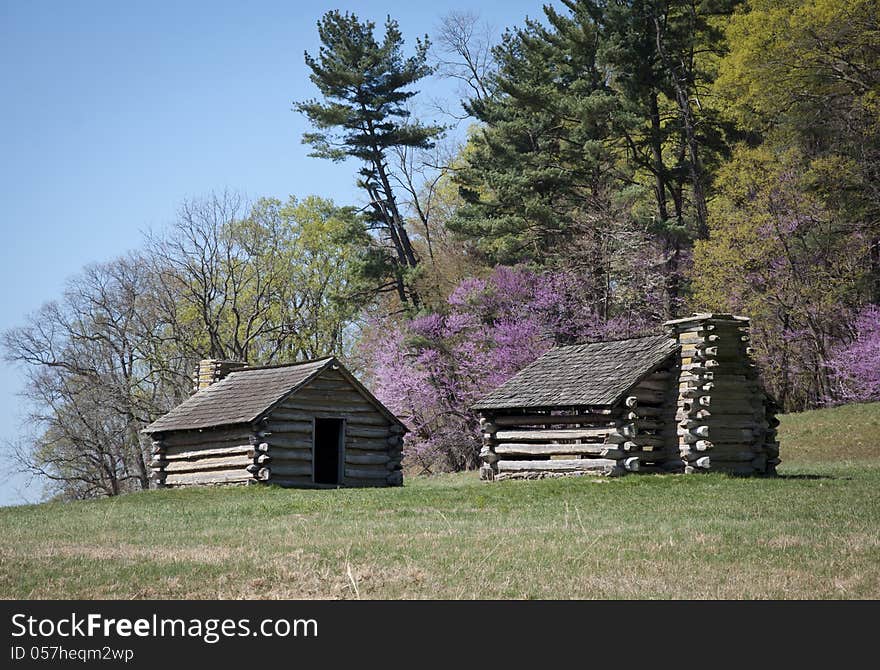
(651, 407)
(725, 420)
(216, 456)
(533, 444)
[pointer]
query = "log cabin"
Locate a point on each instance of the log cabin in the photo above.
(310, 424)
(689, 400)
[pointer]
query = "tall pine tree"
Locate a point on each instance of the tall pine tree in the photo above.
(365, 84)
(601, 104)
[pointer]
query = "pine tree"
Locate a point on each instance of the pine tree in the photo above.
(365, 85)
(599, 106)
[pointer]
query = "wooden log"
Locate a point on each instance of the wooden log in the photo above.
(488, 456)
(364, 419)
(646, 411)
(721, 456)
(660, 375)
(365, 473)
(556, 449)
(285, 454)
(645, 441)
(647, 397)
(332, 373)
(692, 393)
(554, 434)
(215, 477)
(706, 415)
(281, 441)
(728, 357)
(330, 385)
(291, 468)
(696, 338)
(334, 407)
(631, 464)
(547, 419)
(226, 463)
(204, 443)
(740, 421)
(651, 385)
(574, 465)
(395, 478)
(185, 453)
(365, 431)
(366, 444)
(699, 367)
(720, 434)
(692, 380)
(394, 441)
(657, 455)
(736, 385)
(294, 427)
(691, 389)
(214, 436)
(333, 399)
(701, 329)
(361, 458)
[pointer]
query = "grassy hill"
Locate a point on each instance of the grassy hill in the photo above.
(814, 532)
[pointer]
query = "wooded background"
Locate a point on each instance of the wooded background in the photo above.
(625, 163)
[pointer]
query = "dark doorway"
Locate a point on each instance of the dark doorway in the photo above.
(328, 450)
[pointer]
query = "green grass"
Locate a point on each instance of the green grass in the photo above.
(812, 533)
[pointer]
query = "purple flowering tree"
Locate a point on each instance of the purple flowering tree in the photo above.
(430, 370)
(854, 365)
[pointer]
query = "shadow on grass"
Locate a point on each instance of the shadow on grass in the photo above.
(804, 476)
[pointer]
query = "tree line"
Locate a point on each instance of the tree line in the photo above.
(604, 168)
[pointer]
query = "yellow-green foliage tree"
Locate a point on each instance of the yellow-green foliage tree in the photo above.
(276, 281)
(795, 224)
(778, 254)
(805, 74)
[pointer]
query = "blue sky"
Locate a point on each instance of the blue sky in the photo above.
(114, 112)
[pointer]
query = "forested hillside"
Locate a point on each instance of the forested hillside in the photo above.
(607, 166)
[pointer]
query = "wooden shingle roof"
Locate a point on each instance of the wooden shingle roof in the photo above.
(248, 395)
(596, 374)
